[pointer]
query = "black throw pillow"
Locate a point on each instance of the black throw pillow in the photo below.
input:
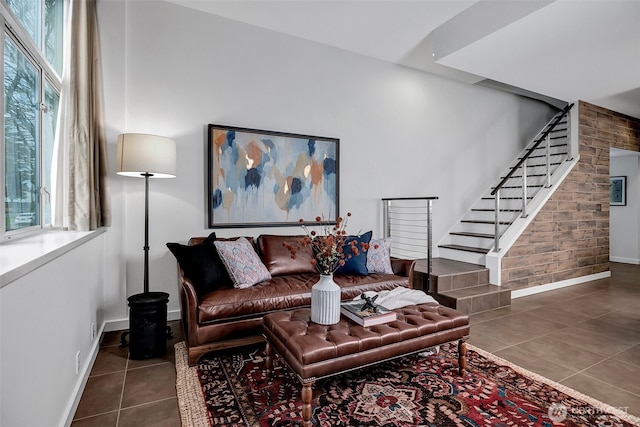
(202, 264)
(210, 239)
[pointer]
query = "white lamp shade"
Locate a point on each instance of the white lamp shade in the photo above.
(140, 154)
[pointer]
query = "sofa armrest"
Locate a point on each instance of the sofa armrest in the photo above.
(188, 307)
(404, 267)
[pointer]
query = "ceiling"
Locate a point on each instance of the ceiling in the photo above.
(563, 50)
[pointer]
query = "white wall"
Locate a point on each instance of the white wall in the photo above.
(45, 318)
(402, 132)
(624, 227)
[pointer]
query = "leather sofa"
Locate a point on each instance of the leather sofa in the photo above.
(224, 316)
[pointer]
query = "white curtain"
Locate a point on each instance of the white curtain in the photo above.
(80, 168)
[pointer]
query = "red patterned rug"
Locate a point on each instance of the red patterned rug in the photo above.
(231, 389)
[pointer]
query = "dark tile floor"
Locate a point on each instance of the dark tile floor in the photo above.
(124, 392)
(585, 336)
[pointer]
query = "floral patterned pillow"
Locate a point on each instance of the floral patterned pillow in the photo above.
(378, 256)
(242, 262)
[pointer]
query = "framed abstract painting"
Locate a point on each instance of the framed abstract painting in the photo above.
(259, 178)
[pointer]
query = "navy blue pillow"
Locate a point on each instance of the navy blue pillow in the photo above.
(355, 264)
(202, 265)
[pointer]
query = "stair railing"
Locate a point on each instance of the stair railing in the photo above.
(523, 164)
(410, 221)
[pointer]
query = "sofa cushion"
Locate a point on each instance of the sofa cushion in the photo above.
(355, 264)
(378, 256)
(285, 292)
(277, 258)
(242, 262)
(202, 265)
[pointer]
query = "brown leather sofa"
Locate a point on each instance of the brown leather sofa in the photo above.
(228, 317)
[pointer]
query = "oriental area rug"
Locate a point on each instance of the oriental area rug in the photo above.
(231, 388)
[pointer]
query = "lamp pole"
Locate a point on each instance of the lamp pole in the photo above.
(146, 230)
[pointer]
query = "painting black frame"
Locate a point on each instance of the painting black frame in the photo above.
(279, 139)
(618, 198)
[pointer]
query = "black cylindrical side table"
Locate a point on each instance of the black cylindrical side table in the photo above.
(148, 330)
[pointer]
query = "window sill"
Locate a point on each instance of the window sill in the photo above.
(21, 256)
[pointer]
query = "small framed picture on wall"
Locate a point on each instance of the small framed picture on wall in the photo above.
(618, 190)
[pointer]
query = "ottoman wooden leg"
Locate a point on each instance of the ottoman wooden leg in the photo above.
(307, 395)
(462, 359)
(269, 359)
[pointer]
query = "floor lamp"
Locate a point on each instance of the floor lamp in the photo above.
(146, 156)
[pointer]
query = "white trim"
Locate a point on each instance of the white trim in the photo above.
(519, 293)
(21, 256)
(624, 260)
(72, 406)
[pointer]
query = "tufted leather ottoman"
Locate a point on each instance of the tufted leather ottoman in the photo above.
(315, 351)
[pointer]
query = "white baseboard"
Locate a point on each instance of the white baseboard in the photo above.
(72, 406)
(624, 260)
(557, 285)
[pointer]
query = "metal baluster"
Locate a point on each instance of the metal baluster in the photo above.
(569, 140)
(497, 224)
(548, 162)
(524, 190)
(429, 238)
(386, 222)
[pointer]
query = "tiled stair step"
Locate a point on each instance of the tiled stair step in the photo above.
(468, 234)
(507, 198)
(543, 156)
(449, 275)
(511, 187)
(493, 210)
(557, 142)
(544, 165)
(450, 267)
(553, 137)
(466, 248)
(477, 299)
(452, 274)
(473, 221)
(552, 145)
(535, 175)
(558, 129)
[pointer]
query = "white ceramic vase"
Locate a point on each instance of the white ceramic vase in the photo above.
(325, 301)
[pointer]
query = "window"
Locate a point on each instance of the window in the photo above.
(32, 51)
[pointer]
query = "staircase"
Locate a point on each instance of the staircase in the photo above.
(463, 286)
(475, 234)
(458, 277)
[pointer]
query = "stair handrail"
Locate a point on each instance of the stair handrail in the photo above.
(386, 226)
(521, 163)
(531, 150)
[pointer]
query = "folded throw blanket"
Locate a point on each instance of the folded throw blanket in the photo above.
(399, 297)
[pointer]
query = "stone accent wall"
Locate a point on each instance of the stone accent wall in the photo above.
(569, 238)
